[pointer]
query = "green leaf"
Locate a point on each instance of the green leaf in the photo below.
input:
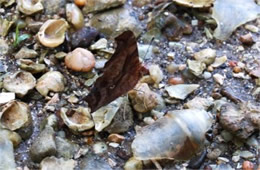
(22, 38)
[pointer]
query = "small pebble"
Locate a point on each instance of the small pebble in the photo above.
(214, 154)
(113, 144)
(148, 120)
(252, 28)
(247, 155)
(175, 80)
(247, 39)
(172, 68)
(115, 138)
(206, 75)
(171, 55)
(235, 158)
(80, 3)
(247, 165)
(219, 78)
(237, 69)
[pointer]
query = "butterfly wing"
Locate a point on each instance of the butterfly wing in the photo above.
(121, 73)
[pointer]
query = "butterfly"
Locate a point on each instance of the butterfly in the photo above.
(120, 74)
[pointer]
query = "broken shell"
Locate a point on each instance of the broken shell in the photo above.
(103, 116)
(196, 67)
(80, 59)
(31, 66)
(50, 81)
(74, 16)
(195, 3)
(29, 7)
(17, 116)
(181, 91)
(219, 61)
(180, 135)
(142, 98)
(80, 119)
(20, 83)
(206, 56)
(52, 32)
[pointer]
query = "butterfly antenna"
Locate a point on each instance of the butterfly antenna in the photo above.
(150, 44)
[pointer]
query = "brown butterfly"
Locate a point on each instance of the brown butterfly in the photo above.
(121, 73)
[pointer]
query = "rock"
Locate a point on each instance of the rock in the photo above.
(226, 136)
(52, 163)
(5, 26)
(219, 78)
(175, 80)
(60, 55)
(172, 68)
(80, 59)
(83, 37)
(247, 155)
(214, 154)
(241, 120)
(123, 118)
(50, 121)
(99, 148)
(181, 91)
(156, 73)
(100, 44)
(65, 148)
(44, 145)
(115, 138)
(219, 61)
(247, 39)
(252, 28)
(148, 120)
(30, 66)
(74, 16)
(223, 166)
(195, 4)
(141, 3)
(80, 3)
(7, 161)
(235, 158)
(92, 161)
(199, 103)
(196, 67)
(145, 51)
(206, 56)
(11, 136)
(207, 75)
(52, 7)
(78, 120)
(103, 116)
(4, 47)
(50, 81)
(95, 6)
(252, 141)
(247, 165)
(6, 97)
(133, 164)
(114, 22)
(25, 52)
(17, 116)
(142, 98)
(19, 82)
